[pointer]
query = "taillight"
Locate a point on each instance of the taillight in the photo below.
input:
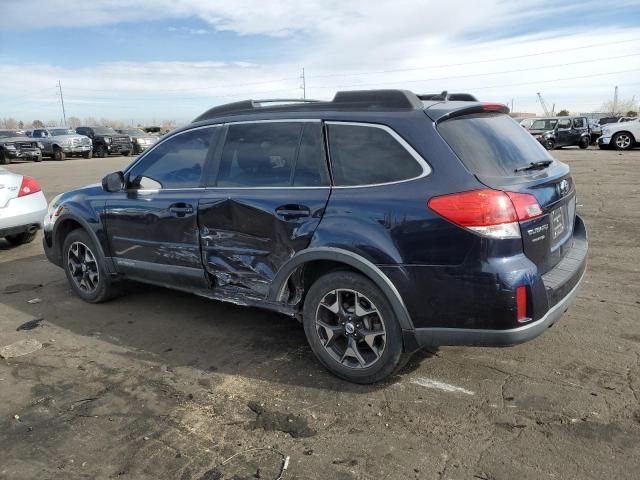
(28, 186)
(492, 213)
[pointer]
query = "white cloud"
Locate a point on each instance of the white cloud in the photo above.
(332, 37)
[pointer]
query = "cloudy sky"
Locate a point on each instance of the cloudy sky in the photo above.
(151, 60)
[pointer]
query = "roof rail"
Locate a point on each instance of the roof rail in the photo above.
(444, 96)
(356, 99)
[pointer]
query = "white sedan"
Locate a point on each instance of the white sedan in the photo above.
(22, 207)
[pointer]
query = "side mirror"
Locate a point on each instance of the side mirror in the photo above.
(114, 182)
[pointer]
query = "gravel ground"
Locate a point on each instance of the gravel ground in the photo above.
(163, 385)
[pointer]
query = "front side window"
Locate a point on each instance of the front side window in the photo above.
(578, 123)
(564, 124)
(368, 155)
(176, 163)
(273, 154)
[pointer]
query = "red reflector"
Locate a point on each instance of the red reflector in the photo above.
(28, 186)
(521, 301)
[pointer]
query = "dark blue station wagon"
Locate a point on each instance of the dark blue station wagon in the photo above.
(385, 221)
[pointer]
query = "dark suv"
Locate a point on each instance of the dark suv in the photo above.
(556, 132)
(107, 141)
(382, 221)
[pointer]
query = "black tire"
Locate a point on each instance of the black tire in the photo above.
(602, 146)
(623, 141)
(58, 154)
(584, 142)
(103, 287)
(88, 154)
(549, 144)
(4, 158)
(126, 153)
(371, 366)
(21, 238)
(136, 149)
(100, 151)
(38, 158)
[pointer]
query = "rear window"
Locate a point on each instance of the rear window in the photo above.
(491, 144)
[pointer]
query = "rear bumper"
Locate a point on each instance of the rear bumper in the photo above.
(551, 294)
(23, 212)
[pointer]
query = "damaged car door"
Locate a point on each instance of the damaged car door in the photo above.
(266, 196)
(152, 224)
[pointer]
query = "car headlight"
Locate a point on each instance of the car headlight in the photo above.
(107, 139)
(54, 210)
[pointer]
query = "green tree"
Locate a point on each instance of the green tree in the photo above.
(563, 113)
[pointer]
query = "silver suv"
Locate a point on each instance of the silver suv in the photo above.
(61, 142)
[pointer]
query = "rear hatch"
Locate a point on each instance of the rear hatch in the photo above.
(504, 156)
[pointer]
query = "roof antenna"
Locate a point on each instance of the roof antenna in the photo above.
(445, 95)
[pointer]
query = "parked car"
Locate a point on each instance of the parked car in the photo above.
(22, 207)
(595, 130)
(556, 132)
(140, 140)
(622, 136)
(107, 141)
(58, 143)
(607, 120)
(383, 222)
(14, 144)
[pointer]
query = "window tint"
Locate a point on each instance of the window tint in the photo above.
(578, 123)
(311, 166)
(175, 163)
(368, 155)
(491, 144)
(259, 154)
(564, 123)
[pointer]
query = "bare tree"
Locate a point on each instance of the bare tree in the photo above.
(9, 122)
(622, 106)
(74, 122)
(90, 121)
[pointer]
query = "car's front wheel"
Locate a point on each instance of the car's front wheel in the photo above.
(549, 144)
(58, 154)
(351, 328)
(584, 142)
(84, 269)
(4, 158)
(101, 152)
(623, 141)
(88, 154)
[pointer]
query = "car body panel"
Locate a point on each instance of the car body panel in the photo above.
(19, 214)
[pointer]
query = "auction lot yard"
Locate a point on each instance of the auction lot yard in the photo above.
(163, 385)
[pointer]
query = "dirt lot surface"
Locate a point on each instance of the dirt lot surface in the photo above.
(164, 385)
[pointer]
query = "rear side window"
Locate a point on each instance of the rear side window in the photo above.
(273, 154)
(491, 144)
(369, 155)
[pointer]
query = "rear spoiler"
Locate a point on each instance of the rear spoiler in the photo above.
(475, 108)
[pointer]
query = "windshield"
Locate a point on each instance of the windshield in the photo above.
(544, 124)
(134, 132)
(61, 131)
(104, 131)
(491, 144)
(10, 133)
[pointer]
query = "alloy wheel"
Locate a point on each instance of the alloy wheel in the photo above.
(623, 141)
(83, 267)
(350, 328)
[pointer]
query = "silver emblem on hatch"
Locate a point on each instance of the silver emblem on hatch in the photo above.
(563, 187)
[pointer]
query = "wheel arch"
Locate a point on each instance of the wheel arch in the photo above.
(338, 258)
(628, 132)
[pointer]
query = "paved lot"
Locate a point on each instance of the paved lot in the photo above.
(162, 385)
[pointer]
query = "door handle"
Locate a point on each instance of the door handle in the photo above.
(181, 209)
(293, 212)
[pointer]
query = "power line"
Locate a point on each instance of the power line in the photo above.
(473, 75)
(474, 62)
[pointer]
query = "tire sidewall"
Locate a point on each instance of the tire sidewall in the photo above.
(615, 138)
(393, 352)
(100, 293)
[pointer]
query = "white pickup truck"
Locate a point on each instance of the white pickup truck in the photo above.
(62, 142)
(622, 135)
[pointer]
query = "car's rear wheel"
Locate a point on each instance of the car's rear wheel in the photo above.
(351, 328)
(58, 154)
(21, 238)
(623, 141)
(85, 270)
(584, 142)
(101, 152)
